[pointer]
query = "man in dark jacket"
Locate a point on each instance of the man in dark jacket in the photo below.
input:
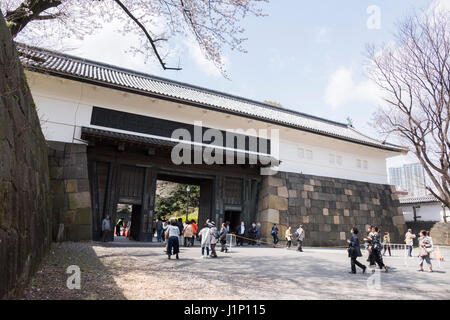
(252, 234)
(180, 225)
(354, 251)
(274, 234)
(240, 232)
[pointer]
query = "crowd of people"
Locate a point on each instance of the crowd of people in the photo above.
(298, 235)
(174, 232)
(376, 248)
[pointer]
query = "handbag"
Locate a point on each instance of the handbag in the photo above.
(166, 235)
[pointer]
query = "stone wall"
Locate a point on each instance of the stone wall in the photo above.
(25, 218)
(328, 208)
(69, 185)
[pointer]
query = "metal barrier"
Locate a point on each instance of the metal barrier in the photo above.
(231, 241)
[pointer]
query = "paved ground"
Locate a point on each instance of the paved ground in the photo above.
(130, 270)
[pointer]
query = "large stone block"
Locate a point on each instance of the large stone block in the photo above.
(71, 186)
(83, 216)
(79, 200)
(283, 192)
(336, 220)
(272, 181)
(277, 203)
(307, 187)
(292, 193)
(270, 215)
(398, 220)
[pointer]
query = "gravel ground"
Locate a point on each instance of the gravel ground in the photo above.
(132, 270)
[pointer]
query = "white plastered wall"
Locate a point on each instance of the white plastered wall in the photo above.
(64, 106)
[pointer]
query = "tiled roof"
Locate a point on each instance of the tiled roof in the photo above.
(421, 199)
(58, 64)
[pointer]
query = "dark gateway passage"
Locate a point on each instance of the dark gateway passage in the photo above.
(125, 172)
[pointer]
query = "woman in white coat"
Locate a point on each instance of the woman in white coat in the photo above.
(205, 235)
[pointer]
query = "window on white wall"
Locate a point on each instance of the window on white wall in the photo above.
(365, 165)
(339, 160)
(358, 163)
(331, 158)
(301, 153)
(309, 154)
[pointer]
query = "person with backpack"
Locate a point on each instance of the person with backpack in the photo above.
(195, 232)
(425, 249)
(205, 240)
(375, 255)
(172, 234)
(223, 238)
(288, 235)
(188, 233)
(274, 234)
(214, 238)
(300, 234)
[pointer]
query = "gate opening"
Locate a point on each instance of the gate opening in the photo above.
(234, 218)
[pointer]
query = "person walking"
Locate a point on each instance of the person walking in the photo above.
(288, 235)
(274, 234)
(118, 226)
(240, 232)
(354, 251)
(166, 240)
(205, 236)
(258, 234)
(387, 243)
(300, 237)
(409, 241)
(425, 249)
(106, 228)
(180, 227)
(195, 232)
(223, 238)
(375, 251)
(188, 233)
(159, 228)
(214, 239)
(173, 244)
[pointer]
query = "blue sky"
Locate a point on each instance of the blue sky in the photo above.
(306, 55)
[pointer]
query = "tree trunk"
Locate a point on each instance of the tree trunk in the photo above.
(25, 213)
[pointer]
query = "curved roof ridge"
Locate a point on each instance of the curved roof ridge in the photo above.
(80, 69)
(176, 82)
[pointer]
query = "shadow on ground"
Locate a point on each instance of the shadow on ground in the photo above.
(50, 282)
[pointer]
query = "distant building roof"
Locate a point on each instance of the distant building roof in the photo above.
(421, 199)
(79, 69)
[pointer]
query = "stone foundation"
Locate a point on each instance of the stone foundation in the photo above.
(328, 208)
(25, 231)
(69, 188)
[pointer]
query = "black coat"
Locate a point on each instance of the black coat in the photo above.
(180, 226)
(354, 250)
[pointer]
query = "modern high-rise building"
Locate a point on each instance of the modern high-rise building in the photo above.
(409, 177)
